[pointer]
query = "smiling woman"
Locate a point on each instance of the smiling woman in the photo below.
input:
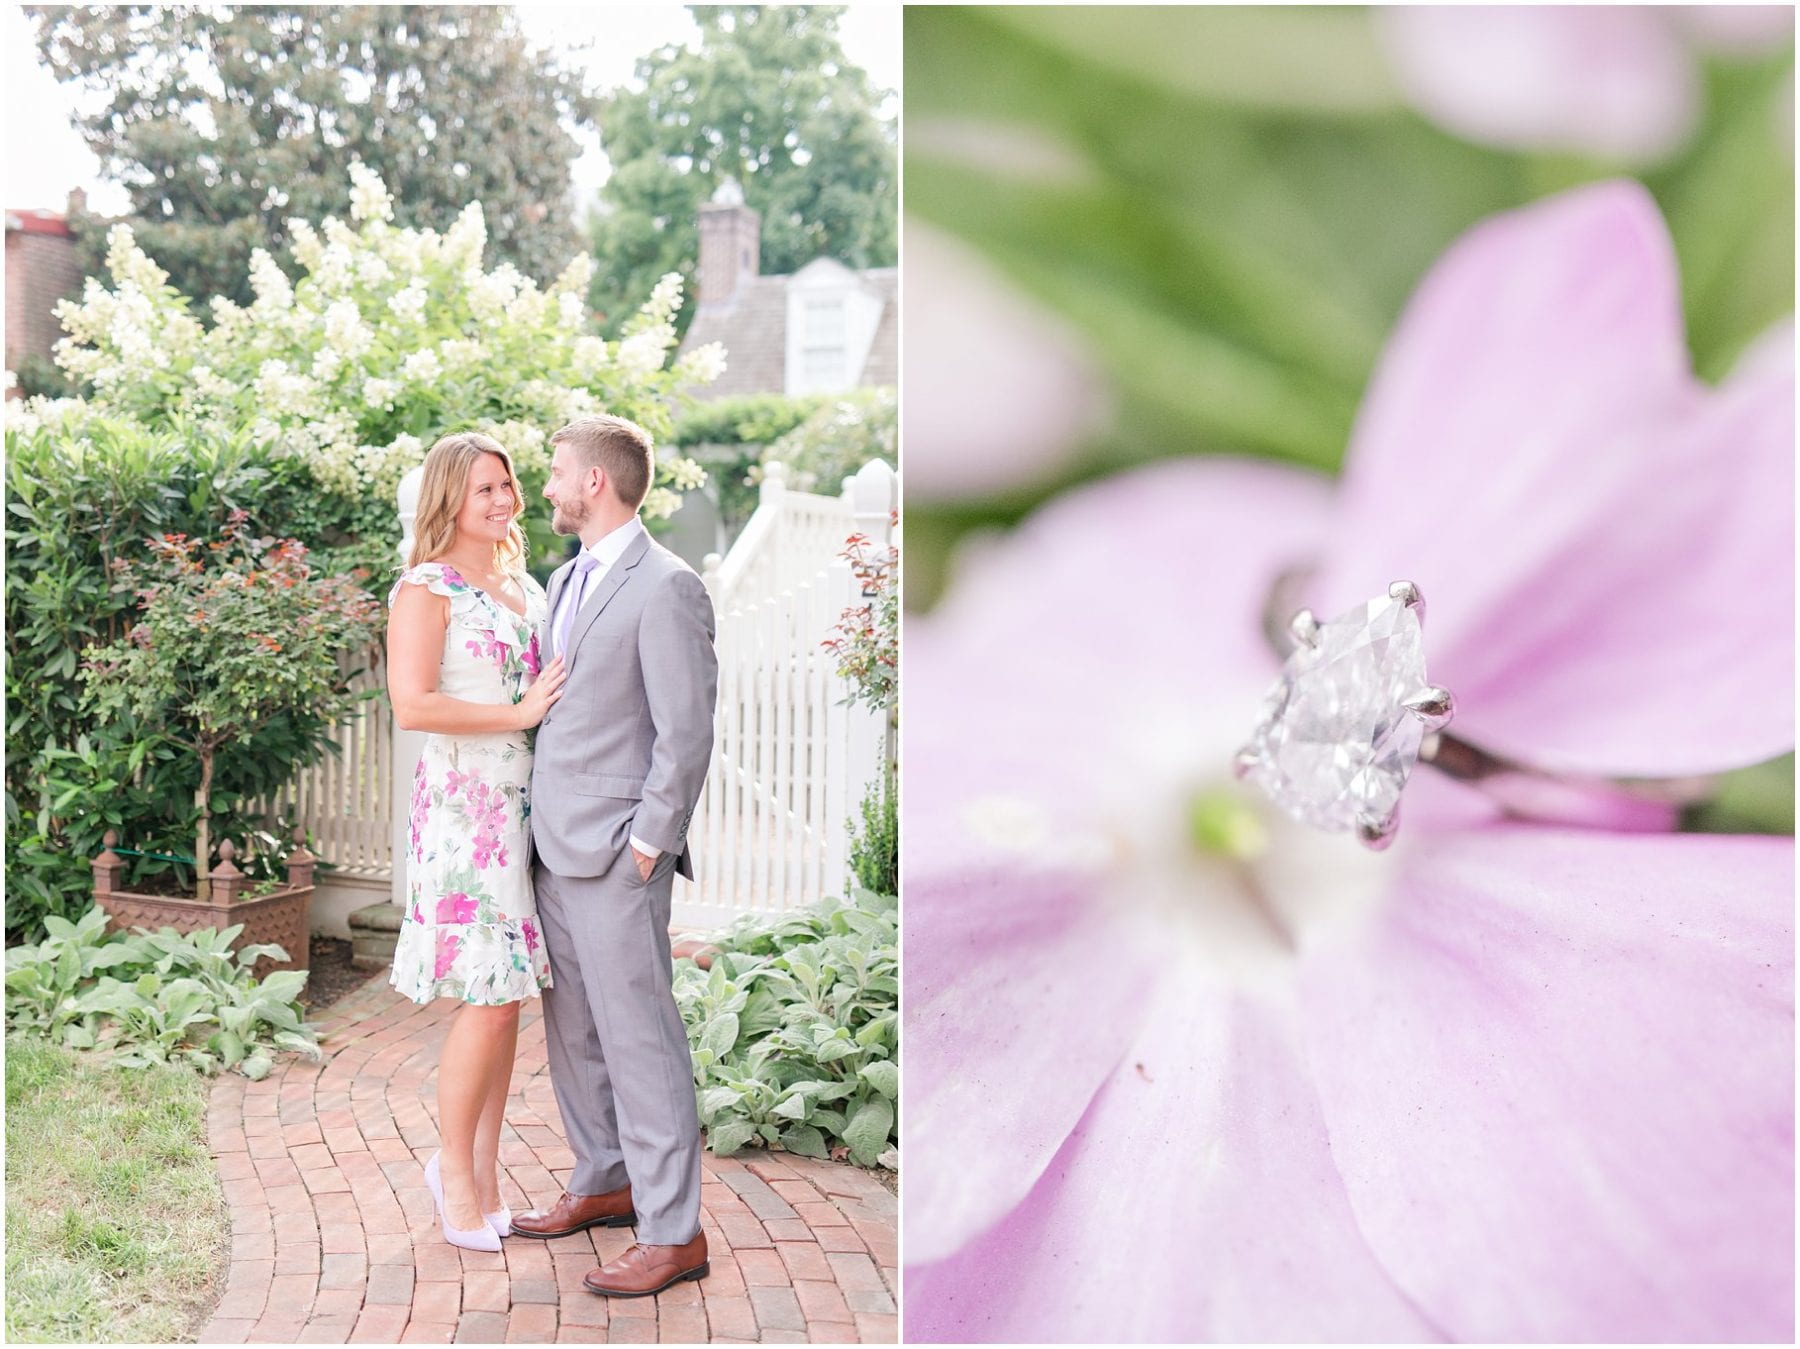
(464, 664)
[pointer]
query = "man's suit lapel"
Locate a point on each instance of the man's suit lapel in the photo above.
(616, 576)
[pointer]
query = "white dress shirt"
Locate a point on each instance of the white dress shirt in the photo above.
(605, 550)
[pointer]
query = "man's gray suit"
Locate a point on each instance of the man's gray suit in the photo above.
(624, 752)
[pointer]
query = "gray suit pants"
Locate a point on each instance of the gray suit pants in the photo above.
(619, 1058)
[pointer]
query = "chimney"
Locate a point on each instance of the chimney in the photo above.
(77, 202)
(730, 238)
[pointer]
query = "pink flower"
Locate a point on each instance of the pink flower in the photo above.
(531, 936)
(456, 908)
(1509, 1081)
(489, 645)
(532, 659)
(1616, 82)
(489, 850)
(448, 944)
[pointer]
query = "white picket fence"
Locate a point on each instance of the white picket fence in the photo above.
(790, 759)
(345, 799)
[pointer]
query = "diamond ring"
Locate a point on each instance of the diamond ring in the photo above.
(1353, 712)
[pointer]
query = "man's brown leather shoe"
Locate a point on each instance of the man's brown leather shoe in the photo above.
(573, 1212)
(644, 1270)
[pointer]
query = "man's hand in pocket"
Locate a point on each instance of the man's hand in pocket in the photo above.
(644, 863)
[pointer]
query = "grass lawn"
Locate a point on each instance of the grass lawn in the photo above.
(116, 1227)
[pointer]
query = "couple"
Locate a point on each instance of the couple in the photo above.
(606, 799)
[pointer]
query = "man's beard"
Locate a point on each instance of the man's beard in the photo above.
(568, 519)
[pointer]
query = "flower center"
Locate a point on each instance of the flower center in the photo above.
(1221, 823)
(1175, 848)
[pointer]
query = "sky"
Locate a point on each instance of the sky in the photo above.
(45, 157)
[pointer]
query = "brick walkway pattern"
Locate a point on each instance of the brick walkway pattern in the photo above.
(334, 1239)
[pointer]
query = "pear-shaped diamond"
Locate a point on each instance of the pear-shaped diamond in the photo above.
(1336, 740)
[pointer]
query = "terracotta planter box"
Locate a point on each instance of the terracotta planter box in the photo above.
(281, 917)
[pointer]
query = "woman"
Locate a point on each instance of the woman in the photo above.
(463, 665)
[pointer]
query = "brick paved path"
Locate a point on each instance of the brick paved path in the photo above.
(334, 1239)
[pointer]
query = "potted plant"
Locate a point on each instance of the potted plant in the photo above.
(232, 637)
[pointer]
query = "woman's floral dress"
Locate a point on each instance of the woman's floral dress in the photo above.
(470, 930)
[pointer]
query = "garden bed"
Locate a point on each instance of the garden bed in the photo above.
(331, 976)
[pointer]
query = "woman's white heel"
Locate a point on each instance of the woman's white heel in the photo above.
(483, 1238)
(501, 1222)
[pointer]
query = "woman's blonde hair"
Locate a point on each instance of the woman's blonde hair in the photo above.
(441, 495)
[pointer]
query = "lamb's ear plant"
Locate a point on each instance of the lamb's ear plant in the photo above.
(794, 1032)
(42, 980)
(157, 997)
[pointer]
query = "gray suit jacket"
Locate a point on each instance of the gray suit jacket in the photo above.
(625, 749)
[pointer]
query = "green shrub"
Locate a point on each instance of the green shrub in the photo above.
(233, 636)
(75, 505)
(794, 1032)
(156, 997)
(748, 419)
(389, 338)
(727, 437)
(866, 638)
(837, 438)
(875, 848)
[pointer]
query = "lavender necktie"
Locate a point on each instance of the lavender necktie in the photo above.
(574, 591)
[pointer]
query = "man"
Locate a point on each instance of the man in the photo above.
(619, 765)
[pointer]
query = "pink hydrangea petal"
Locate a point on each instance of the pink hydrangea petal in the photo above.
(1611, 81)
(1590, 528)
(1558, 1078)
(1021, 994)
(1196, 1201)
(998, 393)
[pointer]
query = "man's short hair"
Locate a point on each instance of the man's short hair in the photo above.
(619, 448)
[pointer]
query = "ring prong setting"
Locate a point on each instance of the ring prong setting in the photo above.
(1409, 595)
(1242, 763)
(1377, 834)
(1432, 705)
(1304, 628)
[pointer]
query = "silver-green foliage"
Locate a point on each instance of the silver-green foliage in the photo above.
(157, 997)
(795, 1031)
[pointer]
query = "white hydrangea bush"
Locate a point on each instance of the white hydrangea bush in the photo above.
(389, 338)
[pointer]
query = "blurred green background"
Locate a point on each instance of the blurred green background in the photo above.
(1231, 206)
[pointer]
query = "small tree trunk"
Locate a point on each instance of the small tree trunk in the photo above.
(203, 838)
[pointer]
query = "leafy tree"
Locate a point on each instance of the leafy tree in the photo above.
(769, 99)
(226, 122)
(233, 636)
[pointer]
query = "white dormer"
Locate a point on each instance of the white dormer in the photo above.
(832, 315)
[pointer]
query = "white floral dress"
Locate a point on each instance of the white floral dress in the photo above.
(470, 930)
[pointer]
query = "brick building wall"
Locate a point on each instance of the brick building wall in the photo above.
(41, 268)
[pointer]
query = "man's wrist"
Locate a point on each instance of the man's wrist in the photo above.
(649, 850)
